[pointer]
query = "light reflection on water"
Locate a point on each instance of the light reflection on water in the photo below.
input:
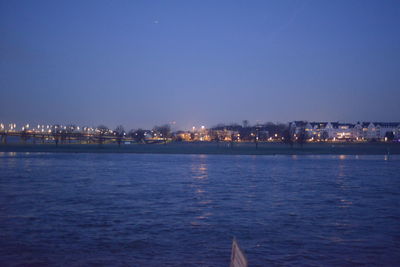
(200, 176)
(341, 183)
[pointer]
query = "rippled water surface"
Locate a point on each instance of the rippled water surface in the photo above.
(183, 210)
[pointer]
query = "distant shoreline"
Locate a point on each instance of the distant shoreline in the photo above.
(214, 148)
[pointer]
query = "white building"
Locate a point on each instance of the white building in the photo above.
(347, 131)
(330, 130)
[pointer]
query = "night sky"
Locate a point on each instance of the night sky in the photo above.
(142, 63)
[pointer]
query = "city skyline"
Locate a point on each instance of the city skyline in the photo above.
(145, 64)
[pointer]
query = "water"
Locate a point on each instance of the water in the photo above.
(183, 210)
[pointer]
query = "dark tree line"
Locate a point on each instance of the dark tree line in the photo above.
(164, 131)
(258, 132)
(261, 132)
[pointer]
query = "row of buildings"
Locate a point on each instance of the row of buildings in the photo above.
(311, 131)
(379, 131)
(296, 130)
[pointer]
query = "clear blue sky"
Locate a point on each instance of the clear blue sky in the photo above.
(141, 63)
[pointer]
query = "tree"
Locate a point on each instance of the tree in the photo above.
(234, 138)
(119, 133)
(164, 131)
(389, 136)
(324, 136)
(178, 138)
(274, 129)
(256, 138)
(214, 136)
(246, 134)
(301, 136)
(287, 137)
(263, 135)
(138, 135)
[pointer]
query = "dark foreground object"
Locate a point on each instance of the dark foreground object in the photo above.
(215, 148)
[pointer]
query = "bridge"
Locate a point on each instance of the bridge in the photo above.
(42, 137)
(75, 134)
